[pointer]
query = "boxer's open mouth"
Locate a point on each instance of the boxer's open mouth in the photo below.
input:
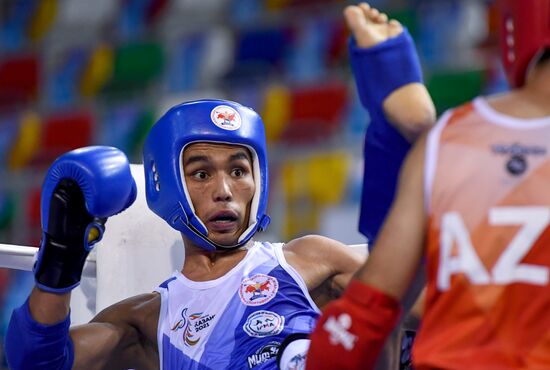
(225, 219)
(224, 216)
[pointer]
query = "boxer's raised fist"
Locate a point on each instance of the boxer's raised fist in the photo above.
(81, 189)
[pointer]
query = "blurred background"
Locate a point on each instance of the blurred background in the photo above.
(80, 72)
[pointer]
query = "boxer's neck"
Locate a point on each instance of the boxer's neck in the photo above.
(529, 101)
(539, 80)
(203, 265)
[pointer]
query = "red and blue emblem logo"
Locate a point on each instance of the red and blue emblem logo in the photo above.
(258, 289)
(226, 117)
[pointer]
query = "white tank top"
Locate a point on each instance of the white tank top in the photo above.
(236, 321)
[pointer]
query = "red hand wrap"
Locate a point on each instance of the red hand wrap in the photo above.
(353, 329)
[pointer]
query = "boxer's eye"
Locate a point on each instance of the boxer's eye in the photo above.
(200, 175)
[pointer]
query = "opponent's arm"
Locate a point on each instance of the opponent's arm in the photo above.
(387, 72)
(389, 83)
(81, 189)
(399, 248)
(353, 329)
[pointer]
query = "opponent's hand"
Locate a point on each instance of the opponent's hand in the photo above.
(369, 26)
(352, 330)
(81, 189)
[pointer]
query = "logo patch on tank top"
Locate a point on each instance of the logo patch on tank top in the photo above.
(263, 354)
(298, 361)
(261, 324)
(258, 289)
(518, 155)
(516, 165)
(193, 325)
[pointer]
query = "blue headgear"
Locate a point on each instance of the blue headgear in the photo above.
(218, 121)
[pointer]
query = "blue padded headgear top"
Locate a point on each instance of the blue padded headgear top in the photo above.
(216, 121)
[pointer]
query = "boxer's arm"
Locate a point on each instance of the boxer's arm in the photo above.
(49, 308)
(81, 189)
(411, 110)
(398, 250)
(389, 77)
(122, 336)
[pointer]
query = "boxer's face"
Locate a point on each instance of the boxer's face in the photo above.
(220, 182)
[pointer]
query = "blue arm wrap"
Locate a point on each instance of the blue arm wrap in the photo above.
(378, 72)
(31, 345)
(383, 68)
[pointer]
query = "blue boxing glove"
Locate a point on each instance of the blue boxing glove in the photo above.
(81, 189)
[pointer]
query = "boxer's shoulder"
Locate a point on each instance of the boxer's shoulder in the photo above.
(314, 249)
(319, 259)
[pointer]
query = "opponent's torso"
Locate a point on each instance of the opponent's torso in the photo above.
(488, 250)
(237, 321)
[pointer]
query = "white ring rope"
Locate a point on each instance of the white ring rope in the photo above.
(19, 257)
